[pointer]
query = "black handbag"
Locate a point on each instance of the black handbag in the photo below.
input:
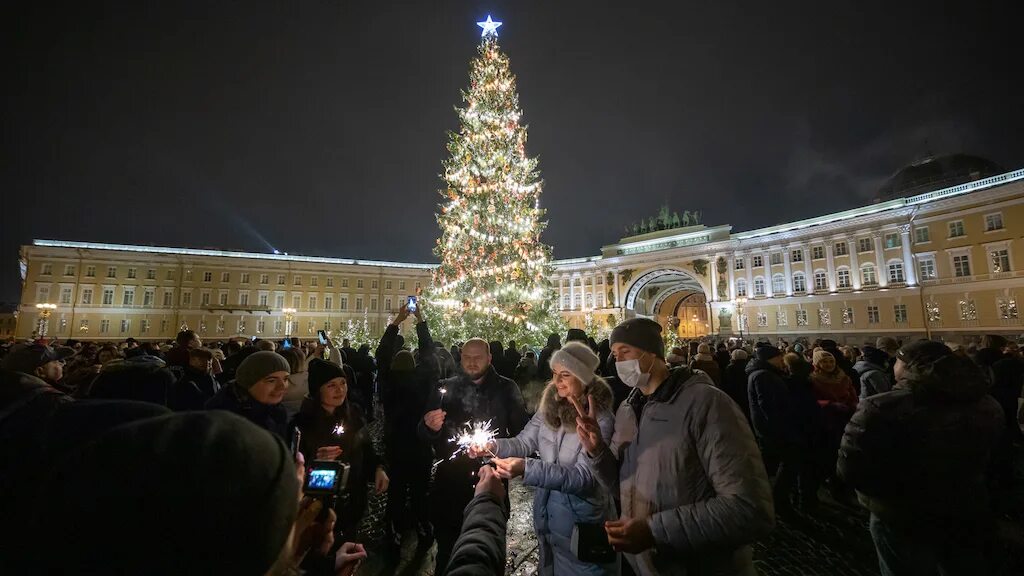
(590, 544)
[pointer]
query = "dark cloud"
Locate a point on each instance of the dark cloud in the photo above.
(319, 127)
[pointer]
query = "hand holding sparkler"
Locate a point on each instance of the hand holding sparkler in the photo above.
(477, 435)
(328, 452)
(481, 451)
(434, 419)
(509, 467)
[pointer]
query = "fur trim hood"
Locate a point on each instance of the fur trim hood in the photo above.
(560, 413)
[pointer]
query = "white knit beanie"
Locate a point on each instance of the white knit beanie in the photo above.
(578, 359)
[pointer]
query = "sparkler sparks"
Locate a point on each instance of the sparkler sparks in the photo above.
(339, 430)
(473, 435)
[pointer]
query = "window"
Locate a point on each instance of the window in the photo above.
(168, 298)
(69, 270)
(778, 284)
(46, 270)
(387, 284)
(926, 268)
(125, 326)
(896, 271)
(279, 301)
(741, 287)
(264, 279)
(343, 302)
(824, 317)
(758, 286)
(87, 296)
(296, 301)
(841, 248)
(956, 228)
(111, 272)
(108, 296)
(186, 298)
(799, 283)
(245, 277)
(222, 298)
(922, 235)
(817, 253)
(104, 326)
(43, 294)
(781, 318)
(401, 284)
(312, 302)
(297, 281)
(328, 302)
(373, 304)
(90, 271)
(739, 264)
(204, 299)
(148, 297)
(820, 281)
(847, 315)
(207, 276)
(243, 298)
(899, 313)
(263, 300)
(892, 240)
(280, 279)
(968, 310)
(359, 302)
(83, 325)
(373, 284)
(801, 317)
(261, 325)
(359, 283)
(797, 256)
(65, 295)
(277, 326)
(170, 274)
(225, 277)
(864, 245)
(867, 275)
(873, 315)
(776, 258)
(128, 297)
(756, 261)
(843, 277)
(151, 274)
(163, 326)
(1000, 260)
(330, 281)
(1007, 308)
(387, 304)
(344, 282)
(961, 265)
(188, 275)
(762, 319)
(992, 222)
(314, 280)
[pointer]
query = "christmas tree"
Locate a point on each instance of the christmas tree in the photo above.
(493, 278)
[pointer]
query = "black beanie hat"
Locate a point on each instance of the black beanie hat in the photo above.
(874, 355)
(766, 352)
(642, 333)
(202, 493)
(575, 334)
(923, 352)
(322, 371)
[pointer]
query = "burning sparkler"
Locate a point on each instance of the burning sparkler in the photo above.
(339, 430)
(442, 390)
(474, 435)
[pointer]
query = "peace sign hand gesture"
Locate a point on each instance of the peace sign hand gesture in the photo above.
(587, 427)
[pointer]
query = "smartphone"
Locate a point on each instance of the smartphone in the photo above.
(286, 344)
(296, 441)
(410, 304)
(253, 339)
(323, 337)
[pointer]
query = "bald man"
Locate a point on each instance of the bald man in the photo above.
(478, 394)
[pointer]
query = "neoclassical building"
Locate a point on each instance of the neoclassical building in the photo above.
(937, 255)
(943, 263)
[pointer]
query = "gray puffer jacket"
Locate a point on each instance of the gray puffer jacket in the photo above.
(567, 491)
(690, 465)
(874, 379)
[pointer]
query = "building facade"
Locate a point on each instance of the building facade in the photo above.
(112, 292)
(944, 264)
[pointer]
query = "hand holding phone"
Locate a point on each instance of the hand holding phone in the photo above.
(323, 337)
(410, 304)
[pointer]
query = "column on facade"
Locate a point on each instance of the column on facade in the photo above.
(808, 267)
(787, 269)
(769, 271)
(593, 287)
(883, 270)
(748, 261)
(714, 278)
(831, 262)
(909, 270)
(616, 287)
(572, 292)
(561, 292)
(851, 249)
(732, 276)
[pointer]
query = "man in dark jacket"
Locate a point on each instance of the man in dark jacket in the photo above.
(512, 355)
(1005, 373)
(543, 369)
(917, 457)
(476, 396)
(771, 413)
(735, 381)
(480, 548)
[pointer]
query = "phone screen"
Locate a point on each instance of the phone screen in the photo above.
(286, 344)
(322, 479)
(410, 304)
(253, 339)
(323, 337)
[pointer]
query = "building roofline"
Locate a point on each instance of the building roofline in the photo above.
(224, 254)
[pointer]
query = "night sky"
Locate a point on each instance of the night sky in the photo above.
(319, 127)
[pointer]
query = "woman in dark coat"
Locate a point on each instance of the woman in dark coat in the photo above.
(334, 429)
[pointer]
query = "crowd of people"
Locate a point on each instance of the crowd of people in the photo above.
(648, 460)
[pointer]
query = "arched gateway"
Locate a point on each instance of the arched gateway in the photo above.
(673, 297)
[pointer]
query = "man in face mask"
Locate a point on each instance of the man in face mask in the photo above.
(693, 487)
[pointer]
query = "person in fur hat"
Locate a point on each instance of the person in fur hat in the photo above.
(567, 491)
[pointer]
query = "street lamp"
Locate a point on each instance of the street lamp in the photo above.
(44, 317)
(739, 302)
(289, 314)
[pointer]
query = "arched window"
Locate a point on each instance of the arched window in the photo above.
(867, 275)
(741, 287)
(778, 284)
(820, 280)
(799, 282)
(759, 286)
(896, 271)
(843, 276)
